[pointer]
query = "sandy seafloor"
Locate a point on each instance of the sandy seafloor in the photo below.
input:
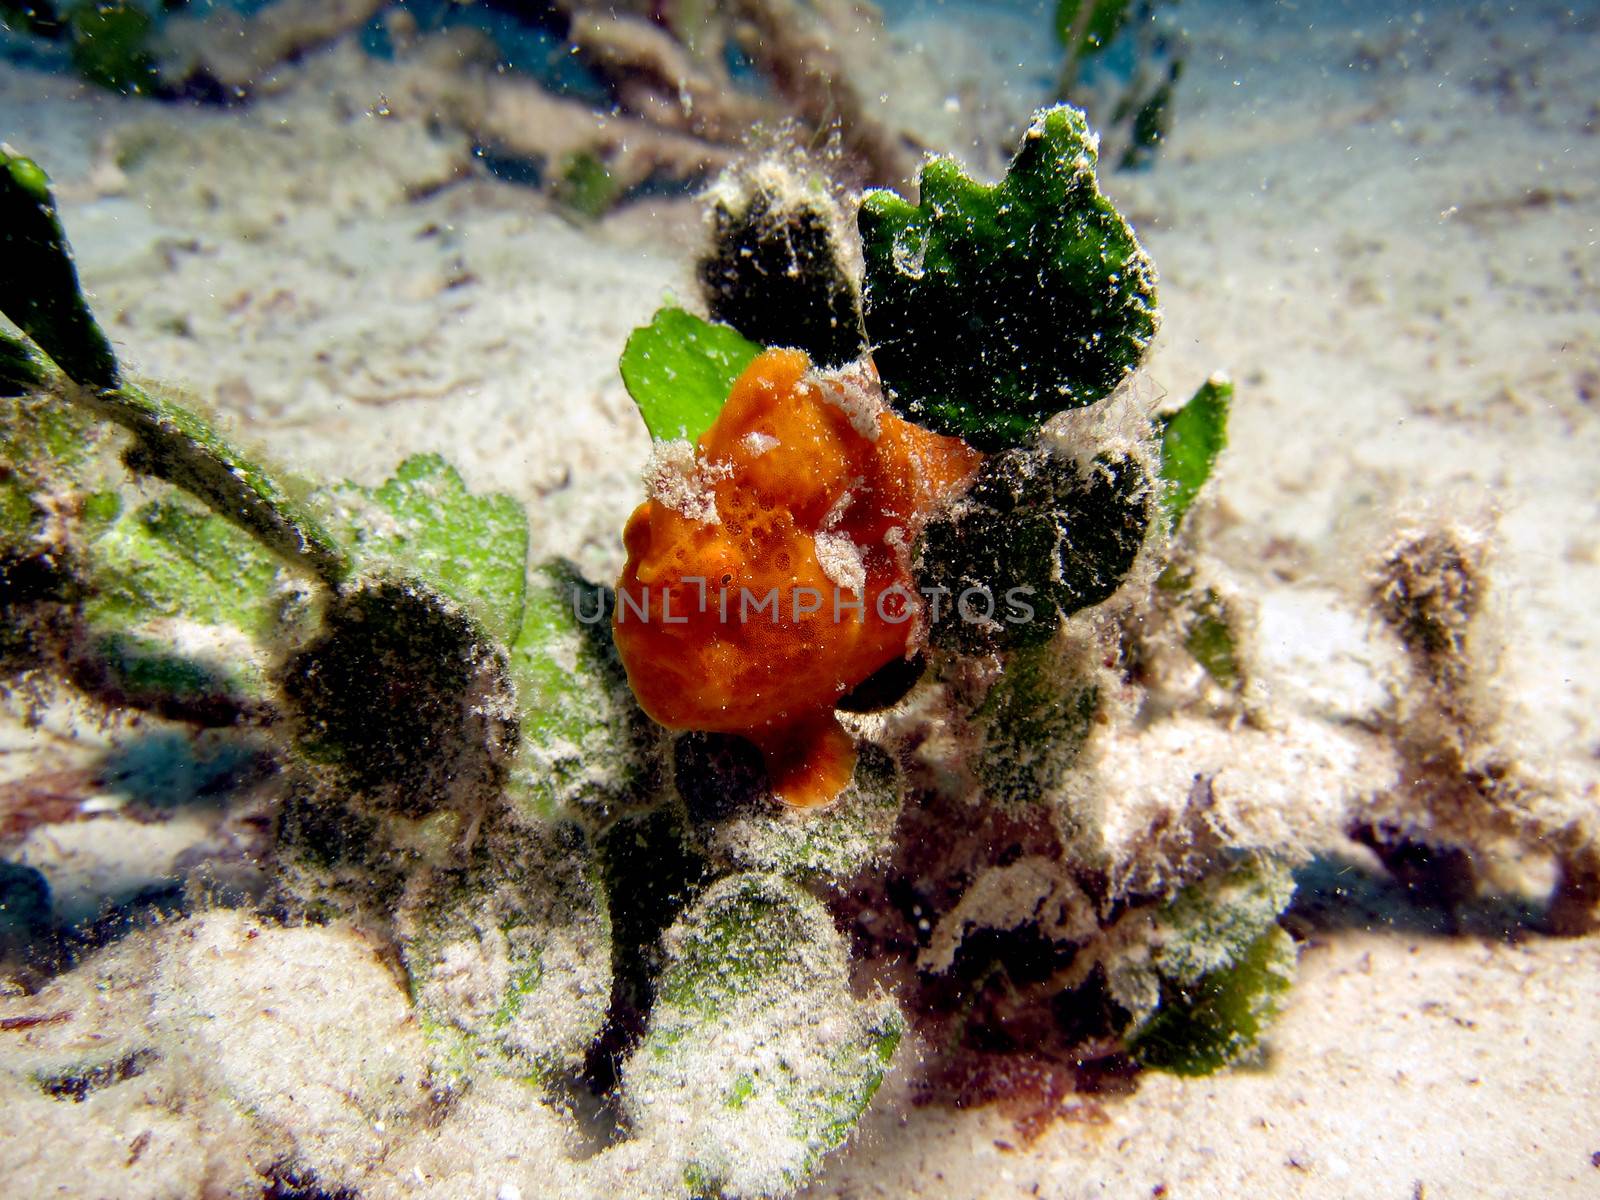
(1381, 222)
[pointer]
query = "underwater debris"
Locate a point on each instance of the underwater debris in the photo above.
(1467, 784)
(662, 103)
(236, 52)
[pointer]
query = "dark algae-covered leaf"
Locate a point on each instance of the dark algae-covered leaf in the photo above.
(775, 270)
(679, 368)
(991, 308)
(38, 281)
(1035, 539)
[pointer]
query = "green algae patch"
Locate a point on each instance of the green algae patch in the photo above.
(585, 186)
(171, 557)
(1209, 925)
(509, 957)
(679, 370)
(20, 517)
(1035, 722)
(755, 1022)
(1205, 1027)
(110, 44)
(1191, 440)
(1217, 970)
(586, 750)
(1213, 643)
(1085, 27)
(41, 432)
(857, 831)
(182, 602)
(991, 308)
(755, 932)
(44, 445)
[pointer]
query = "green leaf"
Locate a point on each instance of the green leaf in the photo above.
(1191, 439)
(471, 548)
(39, 291)
(990, 309)
(679, 370)
(586, 747)
(38, 282)
(1223, 966)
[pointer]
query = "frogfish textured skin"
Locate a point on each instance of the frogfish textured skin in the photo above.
(770, 572)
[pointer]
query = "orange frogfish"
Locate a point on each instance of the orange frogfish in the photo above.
(770, 571)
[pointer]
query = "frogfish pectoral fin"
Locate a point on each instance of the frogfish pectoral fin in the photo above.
(810, 764)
